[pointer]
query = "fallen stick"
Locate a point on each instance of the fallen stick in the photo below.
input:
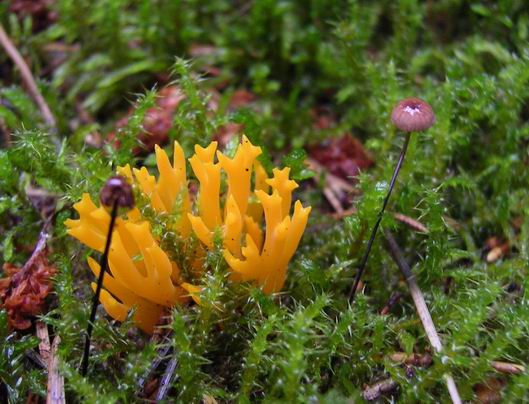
(508, 368)
(408, 221)
(155, 363)
(376, 391)
(393, 300)
(422, 360)
(335, 183)
(426, 360)
(165, 382)
(333, 200)
(27, 78)
(44, 341)
(55, 380)
(422, 309)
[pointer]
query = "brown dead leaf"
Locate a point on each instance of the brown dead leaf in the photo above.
(489, 392)
(343, 157)
(23, 292)
(240, 98)
(226, 133)
(157, 122)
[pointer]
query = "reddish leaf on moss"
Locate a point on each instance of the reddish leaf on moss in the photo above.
(344, 157)
(158, 120)
(489, 392)
(241, 98)
(226, 132)
(23, 292)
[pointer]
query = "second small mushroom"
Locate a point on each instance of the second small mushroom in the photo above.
(409, 115)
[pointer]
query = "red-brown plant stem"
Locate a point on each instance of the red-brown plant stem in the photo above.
(363, 262)
(103, 263)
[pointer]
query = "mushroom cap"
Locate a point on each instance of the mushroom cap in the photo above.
(117, 189)
(412, 115)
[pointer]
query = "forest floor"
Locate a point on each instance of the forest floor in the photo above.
(90, 85)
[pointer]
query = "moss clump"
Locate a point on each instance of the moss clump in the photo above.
(466, 179)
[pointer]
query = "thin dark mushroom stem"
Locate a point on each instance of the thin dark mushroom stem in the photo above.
(363, 262)
(103, 263)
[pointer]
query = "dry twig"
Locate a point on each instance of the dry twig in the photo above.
(422, 309)
(156, 362)
(508, 368)
(333, 200)
(410, 222)
(423, 360)
(44, 344)
(335, 188)
(55, 380)
(165, 382)
(376, 391)
(393, 300)
(160, 337)
(27, 78)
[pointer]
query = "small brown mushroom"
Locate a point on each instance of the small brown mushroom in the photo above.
(117, 189)
(413, 115)
(117, 193)
(409, 115)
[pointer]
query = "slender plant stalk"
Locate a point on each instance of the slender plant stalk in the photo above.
(363, 263)
(422, 309)
(103, 263)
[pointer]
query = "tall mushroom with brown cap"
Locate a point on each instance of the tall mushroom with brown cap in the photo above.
(115, 194)
(413, 115)
(409, 115)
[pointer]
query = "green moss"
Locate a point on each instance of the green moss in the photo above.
(466, 180)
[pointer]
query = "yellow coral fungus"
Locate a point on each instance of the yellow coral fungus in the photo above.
(142, 274)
